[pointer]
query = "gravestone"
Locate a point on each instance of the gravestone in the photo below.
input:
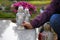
(26, 34)
(8, 31)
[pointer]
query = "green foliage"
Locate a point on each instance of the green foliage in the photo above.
(7, 15)
(7, 8)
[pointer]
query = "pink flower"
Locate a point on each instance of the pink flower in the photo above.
(31, 7)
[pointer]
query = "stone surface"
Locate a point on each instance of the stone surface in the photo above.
(8, 31)
(26, 34)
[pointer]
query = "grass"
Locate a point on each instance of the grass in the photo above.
(39, 2)
(7, 15)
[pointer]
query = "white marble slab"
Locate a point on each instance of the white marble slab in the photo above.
(8, 31)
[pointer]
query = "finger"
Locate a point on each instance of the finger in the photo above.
(24, 22)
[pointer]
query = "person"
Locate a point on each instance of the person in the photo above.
(51, 13)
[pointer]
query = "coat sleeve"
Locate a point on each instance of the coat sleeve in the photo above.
(45, 16)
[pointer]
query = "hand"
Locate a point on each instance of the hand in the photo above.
(27, 25)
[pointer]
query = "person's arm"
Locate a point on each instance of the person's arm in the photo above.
(45, 16)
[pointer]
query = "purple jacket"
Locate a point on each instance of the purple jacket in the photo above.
(54, 7)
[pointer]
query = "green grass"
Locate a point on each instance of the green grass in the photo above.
(39, 2)
(7, 15)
